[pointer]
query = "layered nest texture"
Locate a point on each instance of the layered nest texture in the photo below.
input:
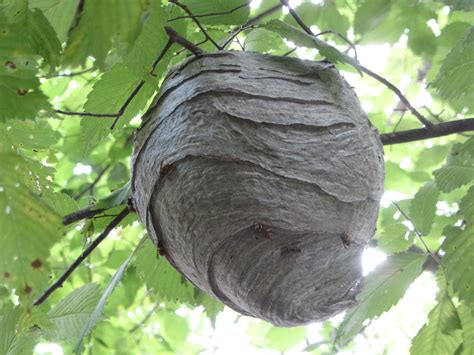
(259, 177)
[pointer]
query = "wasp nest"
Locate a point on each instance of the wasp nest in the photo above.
(260, 178)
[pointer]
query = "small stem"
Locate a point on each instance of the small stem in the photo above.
(196, 21)
(250, 23)
(212, 13)
(418, 234)
(145, 319)
(83, 255)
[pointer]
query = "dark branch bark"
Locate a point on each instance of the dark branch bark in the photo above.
(84, 213)
(438, 130)
(176, 37)
(83, 255)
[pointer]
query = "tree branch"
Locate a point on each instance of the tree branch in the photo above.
(438, 130)
(176, 37)
(81, 214)
(83, 255)
(196, 21)
(369, 72)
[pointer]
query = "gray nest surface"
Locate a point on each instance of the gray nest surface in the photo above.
(260, 177)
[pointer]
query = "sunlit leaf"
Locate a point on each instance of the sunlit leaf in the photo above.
(459, 261)
(167, 283)
(29, 228)
(14, 341)
(466, 316)
(71, 313)
(423, 207)
(370, 14)
(95, 315)
(442, 334)
(302, 39)
(455, 79)
(383, 288)
(458, 169)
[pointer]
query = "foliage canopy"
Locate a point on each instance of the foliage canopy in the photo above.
(58, 57)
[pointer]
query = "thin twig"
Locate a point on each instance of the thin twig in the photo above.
(83, 255)
(145, 319)
(197, 44)
(135, 91)
(369, 72)
(91, 186)
(240, 44)
(212, 13)
(418, 234)
(296, 17)
(250, 23)
(86, 114)
(344, 38)
(196, 21)
(289, 52)
(438, 130)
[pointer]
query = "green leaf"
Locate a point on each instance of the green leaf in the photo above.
(60, 14)
(29, 227)
(305, 40)
(212, 306)
(282, 339)
(100, 23)
(458, 169)
(383, 288)
(158, 275)
(324, 15)
(116, 198)
(466, 316)
(20, 96)
(94, 317)
(423, 207)
(12, 340)
(175, 329)
(225, 8)
(71, 313)
(151, 42)
(459, 261)
(43, 38)
(442, 334)
(456, 77)
(370, 14)
(261, 40)
(107, 96)
(463, 5)
(34, 135)
(466, 206)
(395, 238)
